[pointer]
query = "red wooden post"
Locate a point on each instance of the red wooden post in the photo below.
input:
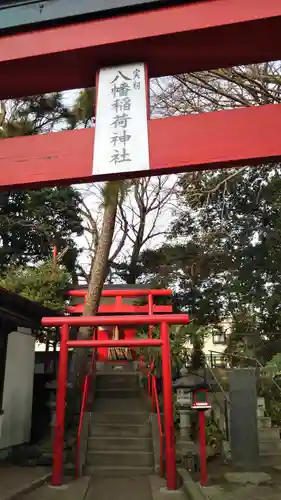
(150, 312)
(93, 362)
(168, 409)
(149, 388)
(203, 452)
(46, 357)
(118, 302)
(152, 393)
(57, 472)
(55, 254)
(93, 357)
(150, 329)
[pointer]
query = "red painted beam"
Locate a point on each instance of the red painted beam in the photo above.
(173, 319)
(121, 309)
(123, 293)
(115, 343)
(208, 140)
(170, 40)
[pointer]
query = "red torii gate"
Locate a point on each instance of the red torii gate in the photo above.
(119, 307)
(208, 34)
(164, 320)
(191, 37)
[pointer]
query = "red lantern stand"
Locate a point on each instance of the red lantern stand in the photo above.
(201, 404)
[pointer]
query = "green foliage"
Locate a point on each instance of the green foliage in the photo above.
(214, 435)
(33, 222)
(178, 337)
(275, 362)
(270, 388)
(32, 115)
(45, 284)
(176, 412)
(271, 391)
(274, 411)
(197, 335)
(83, 110)
(223, 257)
(223, 251)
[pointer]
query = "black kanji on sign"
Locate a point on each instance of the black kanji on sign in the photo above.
(121, 121)
(120, 156)
(120, 75)
(121, 105)
(122, 138)
(136, 79)
(136, 74)
(121, 90)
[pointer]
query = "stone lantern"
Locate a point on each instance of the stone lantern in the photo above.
(183, 386)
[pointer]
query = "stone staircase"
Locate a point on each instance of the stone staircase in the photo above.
(269, 437)
(120, 441)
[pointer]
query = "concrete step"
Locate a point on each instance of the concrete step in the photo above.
(124, 404)
(118, 471)
(264, 422)
(129, 366)
(127, 430)
(119, 417)
(270, 459)
(117, 381)
(270, 446)
(117, 373)
(268, 433)
(124, 458)
(107, 384)
(117, 378)
(117, 443)
(117, 393)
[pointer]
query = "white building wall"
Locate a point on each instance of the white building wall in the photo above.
(18, 389)
(210, 345)
(215, 342)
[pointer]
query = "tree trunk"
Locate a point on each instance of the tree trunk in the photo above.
(98, 274)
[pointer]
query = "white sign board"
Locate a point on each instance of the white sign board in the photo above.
(121, 132)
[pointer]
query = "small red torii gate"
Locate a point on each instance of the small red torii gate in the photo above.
(120, 307)
(164, 342)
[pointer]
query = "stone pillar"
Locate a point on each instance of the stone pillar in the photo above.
(260, 407)
(243, 418)
(52, 388)
(185, 424)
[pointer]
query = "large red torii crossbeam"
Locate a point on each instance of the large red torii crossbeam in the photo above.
(204, 35)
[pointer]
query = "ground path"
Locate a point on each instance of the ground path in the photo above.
(245, 492)
(226, 484)
(19, 483)
(126, 488)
